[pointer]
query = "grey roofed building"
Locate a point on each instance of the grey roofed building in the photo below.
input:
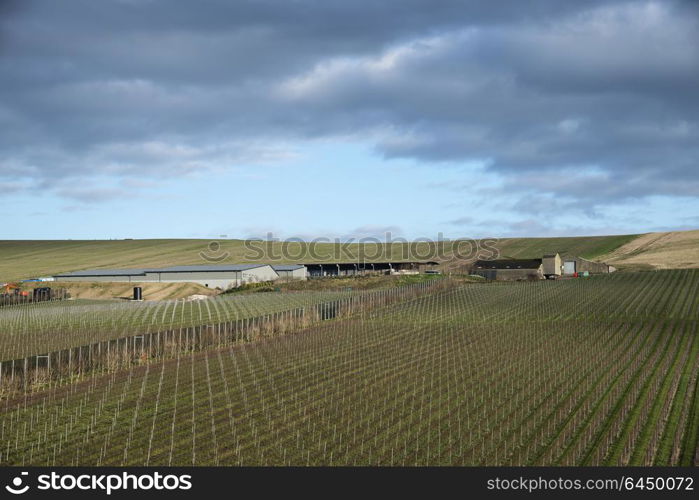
(552, 265)
(508, 264)
(213, 276)
(572, 264)
(208, 269)
(291, 271)
(509, 269)
(287, 267)
(172, 269)
(101, 272)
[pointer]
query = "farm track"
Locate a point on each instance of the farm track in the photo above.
(585, 372)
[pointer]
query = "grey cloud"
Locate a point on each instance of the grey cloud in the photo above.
(462, 221)
(11, 187)
(541, 204)
(95, 194)
(608, 90)
(569, 190)
(532, 89)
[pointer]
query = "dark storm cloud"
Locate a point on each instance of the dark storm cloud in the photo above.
(583, 102)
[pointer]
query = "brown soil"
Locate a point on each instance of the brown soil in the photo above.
(151, 291)
(671, 250)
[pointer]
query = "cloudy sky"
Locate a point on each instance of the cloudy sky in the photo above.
(148, 118)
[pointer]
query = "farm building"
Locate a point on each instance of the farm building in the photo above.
(291, 271)
(572, 265)
(509, 269)
(221, 276)
(354, 268)
(550, 266)
(553, 265)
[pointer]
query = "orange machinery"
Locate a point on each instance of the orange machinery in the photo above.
(14, 289)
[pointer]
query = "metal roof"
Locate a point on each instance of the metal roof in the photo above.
(369, 263)
(172, 269)
(287, 267)
(508, 264)
(105, 272)
(199, 269)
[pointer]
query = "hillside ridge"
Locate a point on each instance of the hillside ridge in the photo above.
(21, 259)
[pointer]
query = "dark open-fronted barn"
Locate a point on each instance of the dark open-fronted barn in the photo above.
(509, 269)
(357, 268)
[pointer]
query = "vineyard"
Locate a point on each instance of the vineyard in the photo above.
(39, 328)
(599, 371)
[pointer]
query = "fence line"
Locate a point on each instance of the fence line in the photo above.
(35, 372)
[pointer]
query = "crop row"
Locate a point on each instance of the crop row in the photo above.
(422, 382)
(40, 328)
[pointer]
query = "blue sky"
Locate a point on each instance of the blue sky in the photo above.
(331, 189)
(143, 120)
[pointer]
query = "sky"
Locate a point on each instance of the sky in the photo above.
(328, 118)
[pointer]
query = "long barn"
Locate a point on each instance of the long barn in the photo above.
(219, 276)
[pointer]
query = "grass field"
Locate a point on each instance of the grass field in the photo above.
(22, 259)
(26, 259)
(32, 329)
(679, 249)
(588, 247)
(596, 371)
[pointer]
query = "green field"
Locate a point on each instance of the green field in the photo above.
(22, 259)
(587, 371)
(27, 259)
(588, 247)
(40, 328)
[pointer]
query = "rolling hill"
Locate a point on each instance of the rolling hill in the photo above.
(25, 259)
(670, 250)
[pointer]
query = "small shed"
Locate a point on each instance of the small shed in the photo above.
(553, 265)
